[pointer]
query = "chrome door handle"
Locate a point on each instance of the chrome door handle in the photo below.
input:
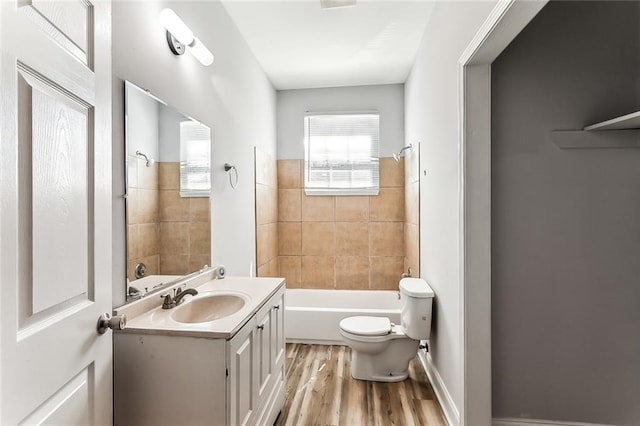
(116, 322)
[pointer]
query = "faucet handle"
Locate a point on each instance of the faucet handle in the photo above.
(168, 301)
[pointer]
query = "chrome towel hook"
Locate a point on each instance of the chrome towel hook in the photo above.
(232, 171)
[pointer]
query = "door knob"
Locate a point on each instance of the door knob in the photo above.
(117, 322)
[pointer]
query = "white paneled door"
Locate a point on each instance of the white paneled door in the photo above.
(55, 212)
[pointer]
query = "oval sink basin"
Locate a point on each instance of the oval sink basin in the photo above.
(208, 308)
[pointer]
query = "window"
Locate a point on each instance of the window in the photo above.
(341, 154)
(195, 159)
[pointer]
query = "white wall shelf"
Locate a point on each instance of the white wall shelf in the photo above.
(601, 136)
(625, 122)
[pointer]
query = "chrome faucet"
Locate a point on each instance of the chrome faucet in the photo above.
(178, 295)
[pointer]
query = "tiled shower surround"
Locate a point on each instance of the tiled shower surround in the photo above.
(266, 185)
(342, 242)
(168, 233)
(412, 211)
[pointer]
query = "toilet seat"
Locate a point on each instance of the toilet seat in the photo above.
(366, 326)
(379, 329)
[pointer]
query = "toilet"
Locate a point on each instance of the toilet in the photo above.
(380, 349)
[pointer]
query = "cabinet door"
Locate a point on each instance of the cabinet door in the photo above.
(264, 346)
(242, 375)
(278, 332)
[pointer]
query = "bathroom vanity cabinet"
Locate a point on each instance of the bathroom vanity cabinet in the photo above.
(190, 379)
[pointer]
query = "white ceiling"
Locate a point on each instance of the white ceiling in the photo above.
(300, 45)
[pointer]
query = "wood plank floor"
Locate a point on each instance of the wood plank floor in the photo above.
(321, 391)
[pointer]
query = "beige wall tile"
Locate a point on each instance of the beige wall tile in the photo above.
(199, 209)
(132, 211)
(133, 242)
(151, 262)
(318, 272)
(270, 269)
(412, 165)
(291, 270)
(352, 272)
(148, 201)
(173, 207)
(386, 239)
(198, 261)
(266, 243)
(352, 209)
(169, 175)
(386, 272)
(318, 209)
(174, 264)
(265, 169)
(391, 172)
(290, 173)
(352, 238)
(415, 267)
(147, 176)
(412, 203)
(290, 238)
(174, 238)
(412, 242)
(264, 207)
(199, 238)
(273, 241)
(289, 205)
(387, 206)
(273, 203)
(318, 238)
(131, 265)
(266, 204)
(148, 239)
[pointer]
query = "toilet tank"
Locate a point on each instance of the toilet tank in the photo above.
(417, 298)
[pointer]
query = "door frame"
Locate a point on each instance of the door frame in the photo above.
(504, 23)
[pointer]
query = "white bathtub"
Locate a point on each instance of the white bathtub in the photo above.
(312, 316)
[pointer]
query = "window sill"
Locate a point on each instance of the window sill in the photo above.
(341, 192)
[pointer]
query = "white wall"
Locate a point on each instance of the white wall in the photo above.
(233, 97)
(143, 131)
(432, 117)
(169, 138)
(387, 99)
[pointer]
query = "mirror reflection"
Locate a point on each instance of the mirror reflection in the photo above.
(168, 187)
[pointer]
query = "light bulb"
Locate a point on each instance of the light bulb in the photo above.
(172, 23)
(200, 51)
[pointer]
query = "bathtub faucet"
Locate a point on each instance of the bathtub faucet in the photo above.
(407, 274)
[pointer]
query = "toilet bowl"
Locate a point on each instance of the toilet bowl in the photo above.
(380, 350)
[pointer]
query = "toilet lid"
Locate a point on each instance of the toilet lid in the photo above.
(366, 326)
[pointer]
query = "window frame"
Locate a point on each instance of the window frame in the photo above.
(355, 191)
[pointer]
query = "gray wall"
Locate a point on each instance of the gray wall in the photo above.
(388, 99)
(565, 228)
(233, 97)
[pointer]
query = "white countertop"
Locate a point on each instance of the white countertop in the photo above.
(146, 316)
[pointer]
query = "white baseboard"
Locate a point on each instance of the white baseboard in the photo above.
(536, 422)
(451, 413)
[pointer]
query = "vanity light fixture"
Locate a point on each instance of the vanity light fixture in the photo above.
(180, 38)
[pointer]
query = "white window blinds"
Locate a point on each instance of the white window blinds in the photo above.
(195, 159)
(341, 154)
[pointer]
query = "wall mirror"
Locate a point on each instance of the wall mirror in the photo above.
(168, 179)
